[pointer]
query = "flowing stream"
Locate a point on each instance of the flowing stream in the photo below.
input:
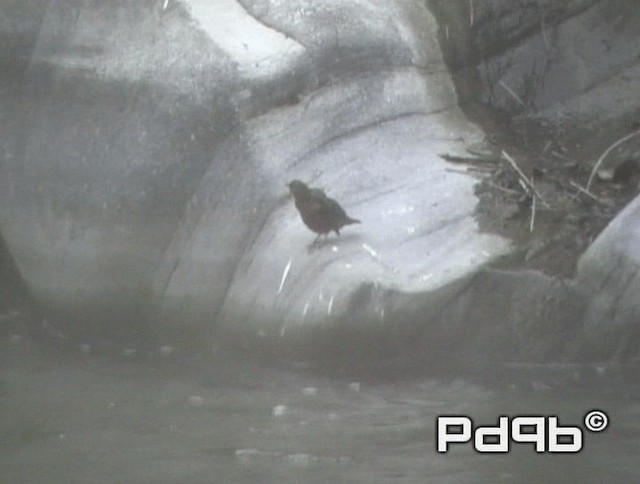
(84, 418)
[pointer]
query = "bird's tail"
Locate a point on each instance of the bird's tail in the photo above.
(352, 221)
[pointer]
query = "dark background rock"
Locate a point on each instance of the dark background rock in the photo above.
(563, 76)
(557, 71)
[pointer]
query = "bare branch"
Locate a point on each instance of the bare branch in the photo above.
(588, 193)
(606, 152)
(524, 180)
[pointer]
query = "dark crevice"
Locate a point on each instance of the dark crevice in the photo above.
(13, 291)
(17, 310)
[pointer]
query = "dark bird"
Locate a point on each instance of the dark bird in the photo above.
(319, 212)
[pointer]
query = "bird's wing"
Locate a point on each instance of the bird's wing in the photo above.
(316, 192)
(317, 205)
(333, 207)
(326, 206)
(315, 202)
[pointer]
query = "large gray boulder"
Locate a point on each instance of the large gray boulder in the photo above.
(144, 157)
(609, 272)
(148, 147)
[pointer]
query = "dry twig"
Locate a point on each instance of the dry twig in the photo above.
(543, 32)
(588, 193)
(512, 92)
(533, 214)
(524, 179)
(606, 152)
(503, 189)
(467, 159)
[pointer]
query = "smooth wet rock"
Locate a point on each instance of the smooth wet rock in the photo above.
(147, 153)
(609, 273)
(143, 182)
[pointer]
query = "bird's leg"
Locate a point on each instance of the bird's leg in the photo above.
(320, 241)
(313, 245)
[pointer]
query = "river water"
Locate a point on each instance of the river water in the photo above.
(83, 418)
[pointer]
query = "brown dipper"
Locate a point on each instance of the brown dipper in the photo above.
(319, 212)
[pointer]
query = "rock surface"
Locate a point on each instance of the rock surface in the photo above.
(148, 150)
(145, 153)
(610, 273)
(567, 76)
(562, 71)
